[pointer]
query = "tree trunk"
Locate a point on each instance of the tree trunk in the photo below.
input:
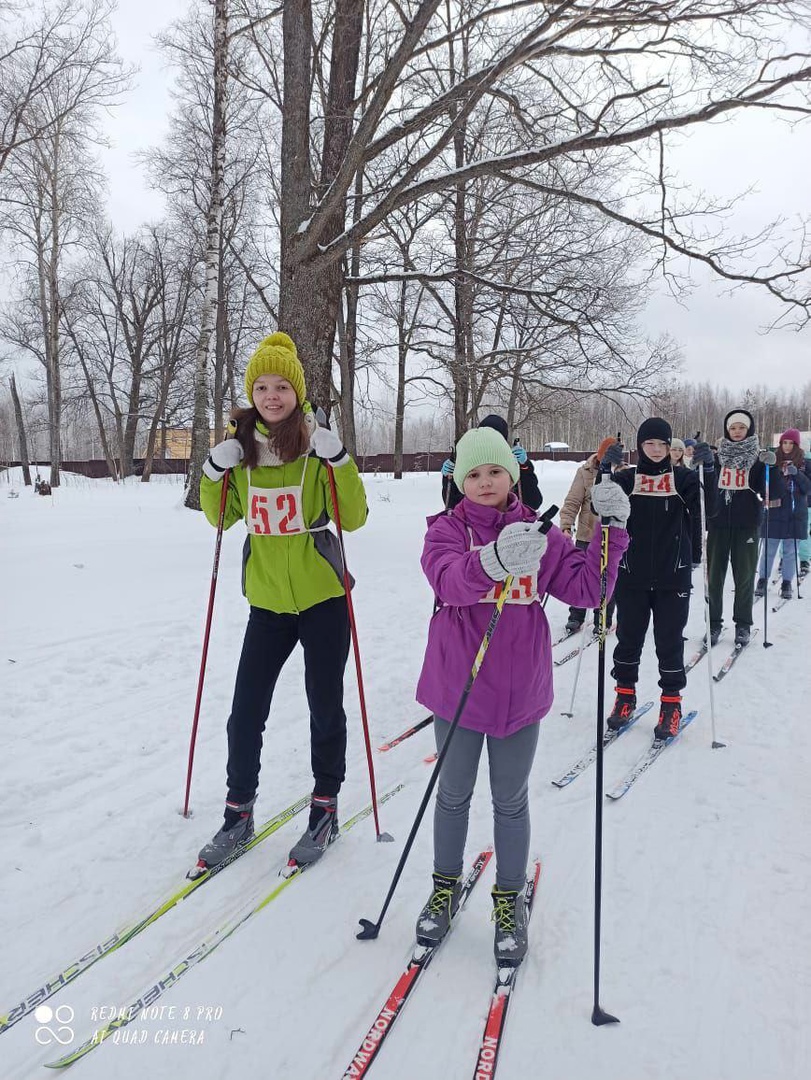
(402, 354)
(346, 397)
(200, 440)
(219, 356)
(310, 286)
(18, 413)
(52, 348)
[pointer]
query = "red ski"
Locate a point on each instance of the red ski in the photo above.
(420, 959)
(502, 992)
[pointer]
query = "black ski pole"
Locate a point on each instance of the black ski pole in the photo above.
(598, 1015)
(767, 569)
(370, 930)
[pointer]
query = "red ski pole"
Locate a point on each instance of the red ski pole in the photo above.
(354, 631)
(206, 635)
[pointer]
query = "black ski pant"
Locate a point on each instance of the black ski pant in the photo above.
(740, 547)
(579, 613)
(634, 609)
(270, 638)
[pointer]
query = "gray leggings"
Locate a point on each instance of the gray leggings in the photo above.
(510, 762)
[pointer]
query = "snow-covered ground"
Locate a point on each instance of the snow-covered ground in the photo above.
(706, 928)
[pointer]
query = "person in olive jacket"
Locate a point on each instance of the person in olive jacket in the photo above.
(655, 573)
(526, 487)
(292, 577)
(732, 529)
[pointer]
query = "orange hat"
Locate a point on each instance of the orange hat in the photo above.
(604, 445)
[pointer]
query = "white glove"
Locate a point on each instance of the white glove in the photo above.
(225, 455)
(327, 445)
(518, 550)
(610, 501)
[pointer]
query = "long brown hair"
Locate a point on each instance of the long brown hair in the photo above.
(796, 456)
(288, 439)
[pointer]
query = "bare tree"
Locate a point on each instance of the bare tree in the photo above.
(18, 415)
(585, 85)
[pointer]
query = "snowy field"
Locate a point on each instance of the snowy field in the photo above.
(706, 920)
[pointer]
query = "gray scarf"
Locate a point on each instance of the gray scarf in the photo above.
(738, 455)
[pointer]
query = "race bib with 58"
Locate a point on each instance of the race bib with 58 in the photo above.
(733, 479)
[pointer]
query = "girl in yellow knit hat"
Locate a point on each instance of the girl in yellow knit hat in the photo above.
(292, 577)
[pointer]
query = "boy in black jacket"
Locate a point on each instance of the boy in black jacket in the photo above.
(526, 489)
(732, 530)
(655, 574)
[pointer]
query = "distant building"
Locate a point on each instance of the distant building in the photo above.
(177, 442)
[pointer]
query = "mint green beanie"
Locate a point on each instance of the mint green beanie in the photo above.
(483, 446)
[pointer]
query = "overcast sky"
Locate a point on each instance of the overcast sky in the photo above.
(721, 336)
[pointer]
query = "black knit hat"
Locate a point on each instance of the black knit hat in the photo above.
(653, 428)
(496, 422)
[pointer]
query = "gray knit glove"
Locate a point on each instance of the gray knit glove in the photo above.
(610, 501)
(518, 550)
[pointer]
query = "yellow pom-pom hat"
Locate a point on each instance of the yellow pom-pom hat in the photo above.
(276, 355)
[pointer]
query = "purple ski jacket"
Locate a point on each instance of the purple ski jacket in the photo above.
(514, 685)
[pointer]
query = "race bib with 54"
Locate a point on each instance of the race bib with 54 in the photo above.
(662, 486)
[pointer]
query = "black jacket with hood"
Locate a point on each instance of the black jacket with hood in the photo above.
(742, 509)
(665, 530)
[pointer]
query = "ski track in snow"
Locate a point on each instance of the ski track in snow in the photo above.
(706, 934)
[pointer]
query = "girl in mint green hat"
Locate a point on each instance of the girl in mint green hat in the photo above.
(292, 577)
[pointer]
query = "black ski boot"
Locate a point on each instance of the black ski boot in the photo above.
(742, 635)
(624, 708)
(435, 918)
(321, 830)
(715, 633)
(760, 588)
(236, 831)
(786, 591)
(510, 917)
(669, 717)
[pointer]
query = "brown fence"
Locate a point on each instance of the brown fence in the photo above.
(367, 463)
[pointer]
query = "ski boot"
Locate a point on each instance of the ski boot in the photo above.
(786, 591)
(624, 708)
(321, 830)
(236, 831)
(669, 717)
(742, 635)
(435, 918)
(573, 624)
(510, 917)
(805, 566)
(760, 588)
(715, 633)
